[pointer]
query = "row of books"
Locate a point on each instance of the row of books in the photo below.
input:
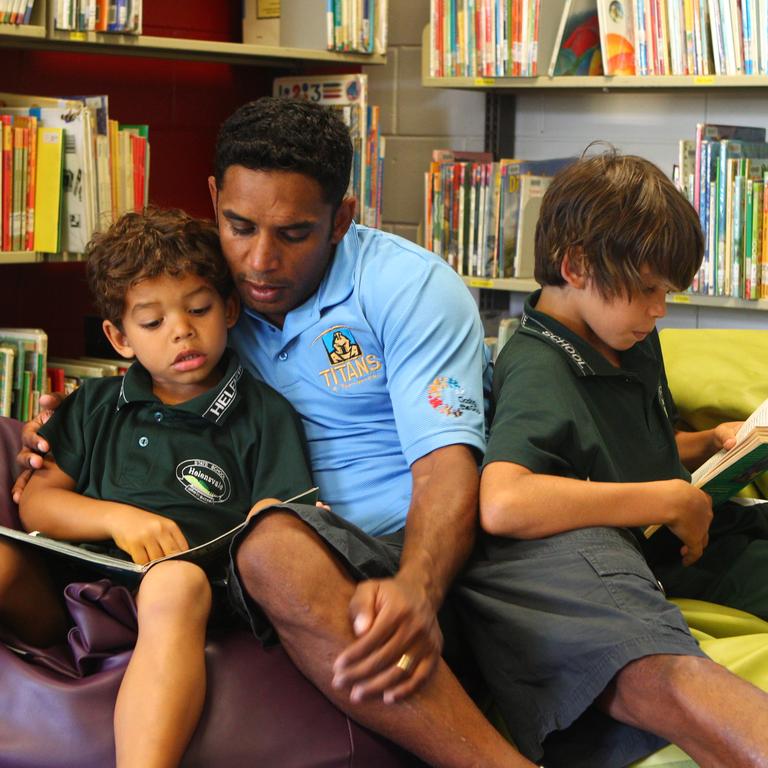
(27, 371)
(724, 172)
(509, 38)
(485, 38)
(357, 25)
(16, 11)
(684, 37)
(480, 215)
(348, 95)
(23, 371)
(67, 169)
(345, 26)
(123, 16)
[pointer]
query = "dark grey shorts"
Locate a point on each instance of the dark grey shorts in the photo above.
(551, 622)
(365, 557)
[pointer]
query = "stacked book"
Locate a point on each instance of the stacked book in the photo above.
(66, 170)
(344, 26)
(511, 38)
(480, 215)
(724, 173)
(23, 378)
(348, 96)
(123, 16)
(16, 11)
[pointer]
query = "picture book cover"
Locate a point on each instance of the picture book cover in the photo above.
(617, 36)
(577, 51)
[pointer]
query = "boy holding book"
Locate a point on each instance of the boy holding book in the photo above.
(166, 457)
(592, 665)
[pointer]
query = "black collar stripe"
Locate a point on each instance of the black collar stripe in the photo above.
(224, 400)
(534, 326)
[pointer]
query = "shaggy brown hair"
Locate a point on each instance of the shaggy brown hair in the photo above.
(149, 244)
(615, 215)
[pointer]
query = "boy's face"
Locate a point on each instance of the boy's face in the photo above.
(277, 233)
(177, 329)
(618, 324)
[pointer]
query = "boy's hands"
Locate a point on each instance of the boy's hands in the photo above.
(724, 435)
(691, 514)
(144, 535)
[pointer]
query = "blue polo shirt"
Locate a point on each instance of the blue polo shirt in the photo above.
(383, 363)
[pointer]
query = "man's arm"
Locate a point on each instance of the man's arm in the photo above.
(397, 616)
(696, 447)
(50, 505)
(521, 504)
(34, 447)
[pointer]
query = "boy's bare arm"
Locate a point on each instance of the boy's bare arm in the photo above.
(50, 505)
(696, 447)
(521, 504)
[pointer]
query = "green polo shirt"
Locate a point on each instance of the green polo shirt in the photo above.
(563, 409)
(202, 463)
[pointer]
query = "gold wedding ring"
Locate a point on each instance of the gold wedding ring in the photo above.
(404, 662)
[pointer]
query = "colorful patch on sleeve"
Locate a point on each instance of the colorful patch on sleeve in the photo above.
(448, 397)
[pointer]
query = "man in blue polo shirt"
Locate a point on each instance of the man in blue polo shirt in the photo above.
(378, 346)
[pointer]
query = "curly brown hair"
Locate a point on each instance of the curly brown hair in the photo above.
(617, 214)
(149, 244)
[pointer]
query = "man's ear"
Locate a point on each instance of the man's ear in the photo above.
(214, 192)
(232, 308)
(117, 339)
(572, 268)
(342, 219)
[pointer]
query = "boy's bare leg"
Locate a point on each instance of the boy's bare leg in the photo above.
(713, 715)
(305, 592)
(163, 691)
(29, 605)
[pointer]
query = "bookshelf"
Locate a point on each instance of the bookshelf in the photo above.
(505, 90)
(594, 82)
(182, 78)
(527, 285)
(40, 34)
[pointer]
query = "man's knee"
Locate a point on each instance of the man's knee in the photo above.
(283, 561)
(278, 539)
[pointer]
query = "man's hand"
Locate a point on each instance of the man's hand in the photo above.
(33, 447)
(144, 535)
(399, 641)
(691, 511)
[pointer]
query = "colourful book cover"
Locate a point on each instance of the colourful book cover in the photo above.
(617, 36)
(579, 51)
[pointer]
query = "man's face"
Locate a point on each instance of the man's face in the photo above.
(277, 233)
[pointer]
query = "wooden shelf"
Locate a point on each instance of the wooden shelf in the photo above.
(20, 257)
(24, 31)
(527, 285)
(174, 48)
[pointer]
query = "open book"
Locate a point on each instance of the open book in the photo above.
(204, 555)
(727, 472)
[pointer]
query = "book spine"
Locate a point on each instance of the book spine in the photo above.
(7, 191)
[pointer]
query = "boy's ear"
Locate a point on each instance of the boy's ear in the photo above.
(232, 308)
(214, 192)
(117, 339)
(572, 268)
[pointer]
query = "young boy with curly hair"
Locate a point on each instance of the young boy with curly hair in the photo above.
(588, 661)
(168, 456)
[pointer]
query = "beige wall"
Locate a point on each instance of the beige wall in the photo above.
(416, 120)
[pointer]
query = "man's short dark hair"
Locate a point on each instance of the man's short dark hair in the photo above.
(281, 134)
(622, 213)
(147, 245)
